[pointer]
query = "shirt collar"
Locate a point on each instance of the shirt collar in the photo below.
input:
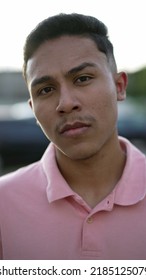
(57, 187)
(130, 189)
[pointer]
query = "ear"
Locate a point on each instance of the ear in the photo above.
(31, 106)
(121, 85)
(30, 103)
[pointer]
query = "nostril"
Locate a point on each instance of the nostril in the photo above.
(75, 108)
(61, 112)
(67, 108)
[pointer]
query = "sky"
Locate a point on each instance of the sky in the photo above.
(125, 19)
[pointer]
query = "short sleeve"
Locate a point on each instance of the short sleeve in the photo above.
(1, 250)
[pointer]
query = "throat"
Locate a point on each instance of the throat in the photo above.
(93, 195)
(94, 180)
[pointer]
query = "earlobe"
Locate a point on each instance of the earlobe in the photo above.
(31, 106)
(30, 103)
(121, 84)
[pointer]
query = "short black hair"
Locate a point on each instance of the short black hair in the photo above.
(69, 24)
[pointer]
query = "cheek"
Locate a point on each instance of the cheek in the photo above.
(105, 108)
(42, 111)
(45, 120)
(44, 116)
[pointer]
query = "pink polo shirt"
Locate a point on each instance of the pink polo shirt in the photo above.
(42, 218)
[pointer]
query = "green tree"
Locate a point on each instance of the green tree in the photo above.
(137, 84)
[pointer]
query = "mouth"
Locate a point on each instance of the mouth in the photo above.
(74, 129)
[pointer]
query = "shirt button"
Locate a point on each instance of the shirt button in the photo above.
(90, 220)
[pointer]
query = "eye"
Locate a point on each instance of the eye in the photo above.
(45, 91)
(83, 79)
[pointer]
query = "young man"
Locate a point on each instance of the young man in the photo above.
(86, 197)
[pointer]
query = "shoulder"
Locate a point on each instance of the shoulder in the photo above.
(22, 177)
(132, 151)
(29, 178)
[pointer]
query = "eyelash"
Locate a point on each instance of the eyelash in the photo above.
(85, 78)
(40, 92)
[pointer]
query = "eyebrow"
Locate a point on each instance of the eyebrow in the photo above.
(81, 67)
(40, 80)
(74, 70)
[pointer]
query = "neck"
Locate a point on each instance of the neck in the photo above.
(94, 178)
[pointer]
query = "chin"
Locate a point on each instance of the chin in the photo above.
(80, 154)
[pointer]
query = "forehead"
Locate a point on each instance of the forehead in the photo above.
(63, 53)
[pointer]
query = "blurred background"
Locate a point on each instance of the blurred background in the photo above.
(21, 140)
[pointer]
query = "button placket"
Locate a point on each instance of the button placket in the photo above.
(90, 243)
(87, 233)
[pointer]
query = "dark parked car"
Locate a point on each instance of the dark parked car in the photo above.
(132, 120)
(23, 142)
(21, 139)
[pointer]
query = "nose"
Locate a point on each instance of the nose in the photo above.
(68, 102)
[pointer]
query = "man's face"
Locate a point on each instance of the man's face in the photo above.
(74, 95)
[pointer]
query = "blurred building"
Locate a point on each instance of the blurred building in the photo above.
(12, 87)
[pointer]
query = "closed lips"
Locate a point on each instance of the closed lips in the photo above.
(76, 125)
